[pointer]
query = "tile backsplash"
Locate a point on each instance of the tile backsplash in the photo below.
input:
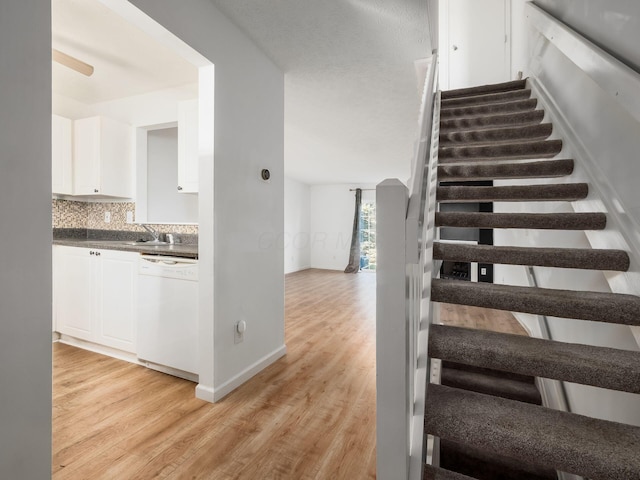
(70, 214)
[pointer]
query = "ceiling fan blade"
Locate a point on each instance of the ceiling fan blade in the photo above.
(71, 62)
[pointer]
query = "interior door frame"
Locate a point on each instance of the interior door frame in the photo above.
(445, 41)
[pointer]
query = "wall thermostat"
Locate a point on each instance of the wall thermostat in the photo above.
(265, 174)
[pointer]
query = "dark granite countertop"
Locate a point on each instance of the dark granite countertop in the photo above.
(120, 240)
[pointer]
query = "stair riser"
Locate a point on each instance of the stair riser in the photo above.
(483, 110)
(485, 89)
(433, 473)
(519, 391)
(486, 99)
(490, 122)
(475, 462)
(502, 135)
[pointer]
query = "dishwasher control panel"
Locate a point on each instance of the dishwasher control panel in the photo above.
(168, 267)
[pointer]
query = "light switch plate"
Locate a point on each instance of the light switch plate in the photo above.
(107, 217)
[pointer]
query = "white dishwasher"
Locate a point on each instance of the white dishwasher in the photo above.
(168, 312)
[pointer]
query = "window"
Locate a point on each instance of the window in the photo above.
(368, 237)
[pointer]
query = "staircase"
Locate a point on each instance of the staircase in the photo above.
(486, 411)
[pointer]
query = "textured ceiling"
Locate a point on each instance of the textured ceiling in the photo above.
(127, 61)
(351, 93)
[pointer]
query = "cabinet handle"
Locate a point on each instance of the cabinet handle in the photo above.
(179, 187)
(95, 190)
(97, 254)
(91, 252)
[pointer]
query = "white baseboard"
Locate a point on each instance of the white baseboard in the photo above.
(126, 356)
(101, 349)
(217, 393)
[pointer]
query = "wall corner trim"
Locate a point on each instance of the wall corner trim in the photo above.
(205, 393)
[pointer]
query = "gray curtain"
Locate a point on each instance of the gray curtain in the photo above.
(354, 255)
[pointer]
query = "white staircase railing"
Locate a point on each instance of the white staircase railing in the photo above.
(405, 235)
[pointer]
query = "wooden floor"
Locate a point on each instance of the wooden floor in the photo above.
(311, 415)
(480, 318)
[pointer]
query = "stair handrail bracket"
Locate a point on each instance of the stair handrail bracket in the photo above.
(405, 235)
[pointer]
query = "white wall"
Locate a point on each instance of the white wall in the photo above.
(591, 401)
(613, 25)
(245, 272)
(332, 209)
(297, 226)
(519, 42)
(165, 204)
(151, 108)
(25, 257)
(606, 136)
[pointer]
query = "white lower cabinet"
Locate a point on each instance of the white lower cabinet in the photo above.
(95, 295)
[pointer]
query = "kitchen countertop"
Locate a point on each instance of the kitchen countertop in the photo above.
(124, 243)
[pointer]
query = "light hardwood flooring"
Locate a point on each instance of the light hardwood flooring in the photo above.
(480, 318)
(311, 415)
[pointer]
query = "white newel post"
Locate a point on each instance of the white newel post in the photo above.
(392, 333)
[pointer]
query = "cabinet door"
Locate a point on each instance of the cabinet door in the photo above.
(102, 158)
(188, 146)
(61, 155)
(86, 156)
(73, 291)
(117, 274)
(116, 164)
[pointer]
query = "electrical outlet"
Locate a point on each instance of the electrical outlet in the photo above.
(238, 331)
(129, 217)
(483, 271)
(107, 217)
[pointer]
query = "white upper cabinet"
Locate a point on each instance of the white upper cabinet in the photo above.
(61, 155)
(188, 146)
(102, 158)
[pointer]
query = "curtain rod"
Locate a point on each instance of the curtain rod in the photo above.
(363, 189)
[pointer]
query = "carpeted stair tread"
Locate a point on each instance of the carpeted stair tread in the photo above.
(513, 193)
(584, 364)
(595, 306)
(489, 466)
(494, 171)
(487, 98)
(491, 385)
(581, 258)
(508, 151)
(532, 117)
(515, 106)
(488, 371)
(435, 473)
(492, 135)
(544, 221)
(484, 89)
(572, 443)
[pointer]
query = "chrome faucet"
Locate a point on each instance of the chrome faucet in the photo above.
(154, 233)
